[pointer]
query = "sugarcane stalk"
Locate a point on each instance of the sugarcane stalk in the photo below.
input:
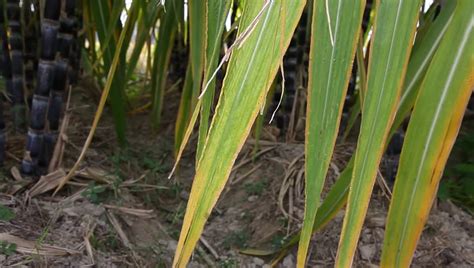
(45, 81)
(66, 38)
(31, 36)
(75, 56)
(15, 42)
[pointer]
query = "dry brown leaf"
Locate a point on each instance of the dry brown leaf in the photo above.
(47, 183)
(16, 174)
(143, 213)
(97, 174)
(118, 228)
(32, 247)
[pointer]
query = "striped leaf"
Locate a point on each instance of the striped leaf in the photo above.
(150, 13)
(161, 58)
(215, 18)
(421, 57)
(433, 128)
(394, 29)
(335, 31)
(102, 17)
(251, 70)
(197, 44)
(423, 50)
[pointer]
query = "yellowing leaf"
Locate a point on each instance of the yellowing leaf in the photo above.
(336, 26)
(433, 128)
(251, 70)
(394, 29)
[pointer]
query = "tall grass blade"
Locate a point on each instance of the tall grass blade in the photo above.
(150, 13)
(420, 59)
(394, 29)
(161, 58)
(215, 20)
(423, 50)
(330, 69)
(362, 85)
(103, 99)
(251, 70)
(197, 43)
(110, 19)
(433, 128)
(101, 15)
(184, 111)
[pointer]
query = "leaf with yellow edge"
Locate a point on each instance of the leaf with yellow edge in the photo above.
(184, 111)
(197, 44)
(251, 70)
(433, 128)
(423, 50)
(394, 29)
(335, 31)
(215, 20)
(421, 57)
(422, 54)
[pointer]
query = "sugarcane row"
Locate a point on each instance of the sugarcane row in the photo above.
(12, 62)
(58, 34)
(51, 59)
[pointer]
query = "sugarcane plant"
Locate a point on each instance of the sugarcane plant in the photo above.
(391, 64)
(412, 64)
(15, 45)
(40, 53)
(399, 76)
(12, 65)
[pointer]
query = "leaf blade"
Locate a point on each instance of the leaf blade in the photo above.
(326, 94)
(236, 111)
(433, 128)
(215, 20)
(161, 58)
(423, 50)
(394, 29)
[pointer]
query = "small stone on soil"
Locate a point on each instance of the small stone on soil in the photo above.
(367, 252)
(252, 198)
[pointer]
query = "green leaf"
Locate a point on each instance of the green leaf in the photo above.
(215, 21)
(101, 15)
(7, 248)
(112, 74)
(362, 84)
(422, 54)
(162, 55)
(394, 29)
(433, 128)
(6, 214)
(336, 26)
(197, 43)
(184, 113)
(251, 70)
(150, 13)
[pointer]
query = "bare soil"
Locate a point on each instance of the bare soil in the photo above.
(130, 216)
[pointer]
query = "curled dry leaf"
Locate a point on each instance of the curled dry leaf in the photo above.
(47, 183)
